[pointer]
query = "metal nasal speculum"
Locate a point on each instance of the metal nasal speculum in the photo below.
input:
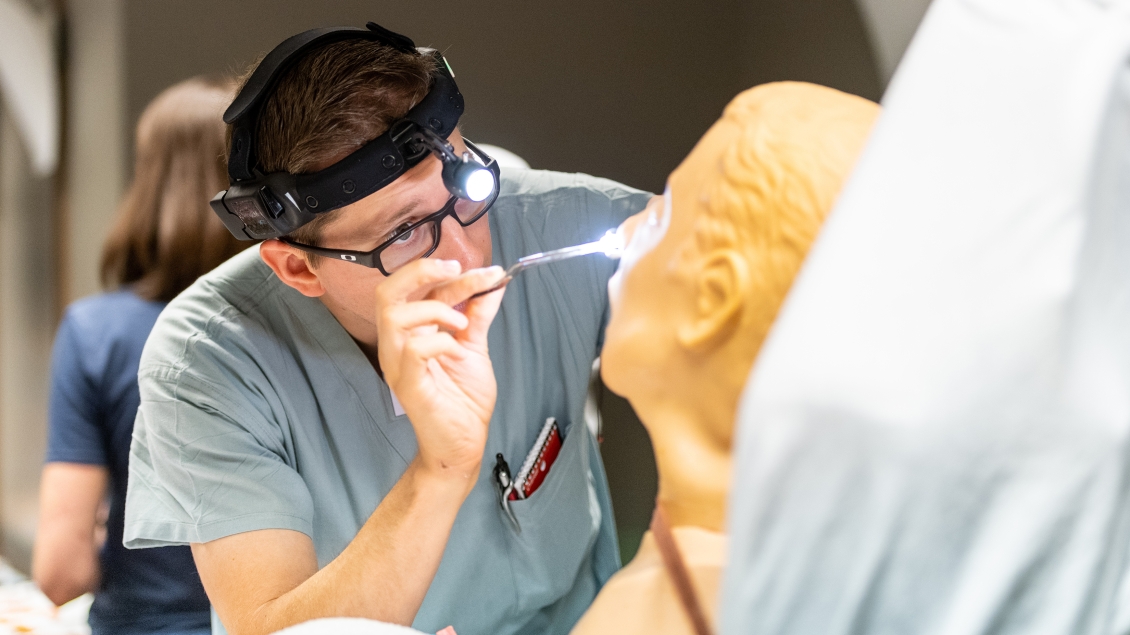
(611, 245)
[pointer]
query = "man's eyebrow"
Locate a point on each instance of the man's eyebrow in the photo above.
(398, 217)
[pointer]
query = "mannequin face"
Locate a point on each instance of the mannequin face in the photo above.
(657, 296)
(707, 268)
(668, 344)
(638, 336)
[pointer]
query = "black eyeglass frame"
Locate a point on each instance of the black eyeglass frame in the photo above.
(372, 258)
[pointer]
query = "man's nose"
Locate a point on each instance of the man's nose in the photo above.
(455, 244)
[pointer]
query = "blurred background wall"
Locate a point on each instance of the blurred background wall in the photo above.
(621, 90)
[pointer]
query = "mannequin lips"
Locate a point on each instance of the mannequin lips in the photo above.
(646, 237)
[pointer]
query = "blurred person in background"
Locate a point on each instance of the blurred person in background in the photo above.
(165, 236)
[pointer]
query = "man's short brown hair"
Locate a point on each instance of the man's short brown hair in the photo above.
(334, 100)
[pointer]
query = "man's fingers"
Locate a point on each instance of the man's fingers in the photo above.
(480, 313)
(412, 358)
(457, 290)
(416, 279)
(404, 317)
(425, 347)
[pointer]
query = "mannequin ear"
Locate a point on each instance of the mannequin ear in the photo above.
(291, 266)
(721, 289)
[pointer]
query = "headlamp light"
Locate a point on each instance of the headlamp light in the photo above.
(466, 178)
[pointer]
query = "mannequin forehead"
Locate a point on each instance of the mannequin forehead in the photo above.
(703, 166)
(647, 234)
(682, 196)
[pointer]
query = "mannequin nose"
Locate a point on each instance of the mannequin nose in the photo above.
(455, 244)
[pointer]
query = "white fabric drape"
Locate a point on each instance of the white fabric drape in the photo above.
(936, 436)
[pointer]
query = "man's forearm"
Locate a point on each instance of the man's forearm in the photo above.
(383, 574)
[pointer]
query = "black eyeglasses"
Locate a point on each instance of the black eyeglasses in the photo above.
(420, 239)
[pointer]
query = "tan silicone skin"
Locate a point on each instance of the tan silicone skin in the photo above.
(690, 312)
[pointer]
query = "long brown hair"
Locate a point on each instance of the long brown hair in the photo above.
(165, 235)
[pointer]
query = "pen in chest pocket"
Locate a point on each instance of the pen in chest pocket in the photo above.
(505, 486)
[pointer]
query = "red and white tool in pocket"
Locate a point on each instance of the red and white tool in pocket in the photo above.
(538, 461)
(534, 470)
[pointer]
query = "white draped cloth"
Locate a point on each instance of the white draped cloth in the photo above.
(936, 436)
(347, 626)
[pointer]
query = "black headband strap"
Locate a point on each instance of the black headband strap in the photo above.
(257, 206)
(381, 161)
(242, 113)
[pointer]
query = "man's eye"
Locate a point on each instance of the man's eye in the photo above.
(403, 234)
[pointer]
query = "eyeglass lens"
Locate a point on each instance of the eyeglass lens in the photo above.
(419, 241)
(410, 245)
(469, 211)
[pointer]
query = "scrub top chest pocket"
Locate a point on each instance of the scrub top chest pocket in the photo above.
(559, 523)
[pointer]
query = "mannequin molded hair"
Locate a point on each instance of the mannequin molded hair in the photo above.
(776, 182)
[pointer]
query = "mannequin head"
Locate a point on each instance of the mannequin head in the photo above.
(707, 268)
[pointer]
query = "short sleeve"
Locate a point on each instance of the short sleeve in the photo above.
(74, 412)
(207, 459)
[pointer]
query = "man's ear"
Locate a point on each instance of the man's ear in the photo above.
(291, 266)
(721, 290)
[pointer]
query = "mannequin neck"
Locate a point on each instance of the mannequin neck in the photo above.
(692, 442)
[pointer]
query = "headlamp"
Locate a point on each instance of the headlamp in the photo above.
(469, 180)
(258, 206)
(463, 176)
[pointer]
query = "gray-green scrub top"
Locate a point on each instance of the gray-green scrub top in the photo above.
(259, 411)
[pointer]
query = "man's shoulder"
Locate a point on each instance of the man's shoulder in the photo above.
(519, 182)
(539, 209)
(217, 308)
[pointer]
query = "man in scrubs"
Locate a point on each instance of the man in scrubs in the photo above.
(316, 429)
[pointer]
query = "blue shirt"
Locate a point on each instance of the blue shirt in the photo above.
(93, 403)
(259, 411)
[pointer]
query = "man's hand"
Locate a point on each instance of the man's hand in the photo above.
(435, 359)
